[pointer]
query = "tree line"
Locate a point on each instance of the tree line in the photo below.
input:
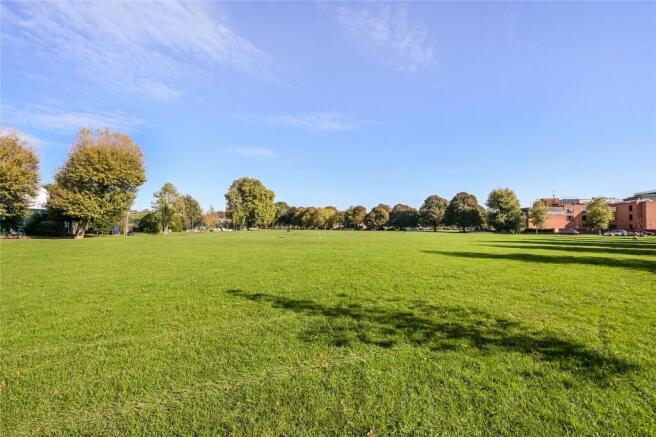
(97, 185)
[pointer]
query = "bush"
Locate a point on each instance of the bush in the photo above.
(150, 223)
(50, 228)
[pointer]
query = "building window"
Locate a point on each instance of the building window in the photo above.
(630, 207)
(584, 217)
(630, 216)
(570, 210)
(570, 217)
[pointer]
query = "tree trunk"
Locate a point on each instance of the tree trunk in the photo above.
(81, 228)
(435, 228)
(536, 231)
(166, 229)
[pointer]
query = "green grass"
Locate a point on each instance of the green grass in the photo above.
(342, 333)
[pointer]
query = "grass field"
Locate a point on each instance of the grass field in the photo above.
(307, 333)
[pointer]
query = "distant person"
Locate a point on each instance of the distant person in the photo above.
(116, 230)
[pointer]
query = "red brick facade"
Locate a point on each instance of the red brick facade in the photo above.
(637, 213)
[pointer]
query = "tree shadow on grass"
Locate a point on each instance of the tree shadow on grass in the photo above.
(573, 248)
(439, 328)
(634, 264)
(608, 243)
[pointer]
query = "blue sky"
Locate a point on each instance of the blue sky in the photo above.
(345, 103)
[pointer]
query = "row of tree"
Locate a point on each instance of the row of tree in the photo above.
(98, 183)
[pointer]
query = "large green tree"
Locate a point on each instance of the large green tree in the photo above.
(332, 217)
(354, 216)
(282, 218)
(464, 212)
(100, 178)
(378, 217)
(192, 213)
(167, 205)
(250, 203)
(403, 216)
(19, 176)
(504, 211)
(599, 214)
(432, 211)
(150, 222)
(537, 214)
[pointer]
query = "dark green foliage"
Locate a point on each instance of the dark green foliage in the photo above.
(354, 217)
(50, 228)
(432, 211)
(250, 203)
(150, 223)
(378, 217)
(282, 216)
(403, 217)
(464, 212)
(504, 212)
(191, 213)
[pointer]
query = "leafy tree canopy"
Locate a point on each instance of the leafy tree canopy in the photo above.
(464, 211)
(599, 214)
(378, 216)
(432, 211)
(403, 216)
(250, 203)
(354, 216)
(504, 211)
(100, 178)
(19, 176)
(192, 213)
(537, 213)
(167, 204)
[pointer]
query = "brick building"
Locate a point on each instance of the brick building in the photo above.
(635, 213)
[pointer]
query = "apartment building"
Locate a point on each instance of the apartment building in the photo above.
(635, 213)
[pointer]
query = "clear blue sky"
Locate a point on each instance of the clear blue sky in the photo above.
(345, 103)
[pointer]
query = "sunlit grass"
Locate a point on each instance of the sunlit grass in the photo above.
(309, 332)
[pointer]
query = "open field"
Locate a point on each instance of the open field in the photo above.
(310, 332)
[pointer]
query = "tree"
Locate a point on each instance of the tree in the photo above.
(354, 216)
(212, 218)
(432, 211)
(504, 211)
(19, 176)
(537, 214)
(250, 203)
(309, 218)
(192, 213)
(281, 213)
(378, 217)
(403, 216)
(331, 217)
(599, 214)
(150, 223)
(464, 212)
(167, 205)
(100, 178)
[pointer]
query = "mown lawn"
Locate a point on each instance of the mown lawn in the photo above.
(341, 333)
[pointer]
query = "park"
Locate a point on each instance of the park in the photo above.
(328, 332)
(311, 218)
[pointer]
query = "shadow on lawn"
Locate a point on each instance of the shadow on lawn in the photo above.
(573, 248)
(640, 248)
(635, 264)
(439, 328)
